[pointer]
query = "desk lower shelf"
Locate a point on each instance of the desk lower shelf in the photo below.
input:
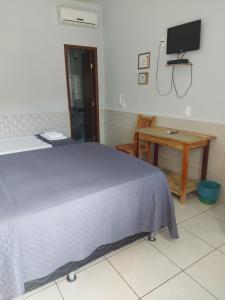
(174, 181)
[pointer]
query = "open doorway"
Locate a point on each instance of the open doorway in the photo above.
(82, 89)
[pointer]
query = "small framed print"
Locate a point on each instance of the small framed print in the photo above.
(143, 78)
(144, 60)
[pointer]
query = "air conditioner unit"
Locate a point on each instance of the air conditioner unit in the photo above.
(72, 16)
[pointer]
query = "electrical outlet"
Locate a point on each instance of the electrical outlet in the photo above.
(188, 111)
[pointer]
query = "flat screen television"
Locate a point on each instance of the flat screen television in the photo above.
(184, 37)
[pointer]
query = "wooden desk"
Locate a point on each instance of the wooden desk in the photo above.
(183, 141)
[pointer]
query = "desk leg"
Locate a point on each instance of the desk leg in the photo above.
(137, 145)
(205, 161)
(148, 151)
(184, 174)
(156, 154)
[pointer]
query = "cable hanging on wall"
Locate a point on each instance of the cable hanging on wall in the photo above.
(157, 74)
(175, 87)
(172, 81)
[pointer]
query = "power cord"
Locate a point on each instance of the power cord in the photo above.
(172, 81)
(157, 75)
(175, 87)
(181, 57)
(174, 84)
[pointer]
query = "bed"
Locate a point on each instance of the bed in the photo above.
(64, 206)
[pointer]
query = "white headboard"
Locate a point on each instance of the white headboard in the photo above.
(33, 123)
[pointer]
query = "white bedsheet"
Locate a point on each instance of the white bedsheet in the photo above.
(21, 144)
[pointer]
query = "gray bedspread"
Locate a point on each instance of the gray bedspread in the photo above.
(58, 205)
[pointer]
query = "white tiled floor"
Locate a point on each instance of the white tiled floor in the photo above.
(218, 212)
(181, 287)
(99, 282)
(222, 249)
(51, 293)
(143, 267)
(185, 251)
(192, 267)
(207, 228)
(210, 272)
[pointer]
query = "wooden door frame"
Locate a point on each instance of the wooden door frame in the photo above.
(96, 88)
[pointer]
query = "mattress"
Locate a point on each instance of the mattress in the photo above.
(58, 206)
(21, 144)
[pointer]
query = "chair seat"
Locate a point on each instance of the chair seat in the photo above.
(142, 122)
(130, 148)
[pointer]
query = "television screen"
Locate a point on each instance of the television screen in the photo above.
(184, 37)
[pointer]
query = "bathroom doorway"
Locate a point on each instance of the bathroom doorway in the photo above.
(82, 89)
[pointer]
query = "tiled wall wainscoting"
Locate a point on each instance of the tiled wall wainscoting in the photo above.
(119, 128)
(33, 123)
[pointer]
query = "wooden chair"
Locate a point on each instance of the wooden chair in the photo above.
(142, 122)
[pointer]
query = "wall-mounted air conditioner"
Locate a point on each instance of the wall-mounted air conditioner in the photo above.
(72, 16)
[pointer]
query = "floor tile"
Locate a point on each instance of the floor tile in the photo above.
(194, 202)
(210, 273)
(50, 293)
(218, 212)
(182, 287)
(124, 248)
(222, 248)
(143, 267)
(207, 228)
(99, 282)
(184, 211)
(84, 267)
(26, 295)
(183, 251)
(18, 298)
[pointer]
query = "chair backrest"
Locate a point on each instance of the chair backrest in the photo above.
(144, 122)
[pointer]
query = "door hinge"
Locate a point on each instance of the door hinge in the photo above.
(92, 103)
(94, 138)
(92, 66)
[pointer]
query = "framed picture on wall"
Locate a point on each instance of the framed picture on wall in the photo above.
(143, 78)
(144, 60)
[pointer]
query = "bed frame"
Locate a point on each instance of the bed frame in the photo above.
(69, 269)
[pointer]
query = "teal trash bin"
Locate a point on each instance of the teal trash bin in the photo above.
(208, 191)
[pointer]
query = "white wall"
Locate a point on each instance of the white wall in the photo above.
(32, 67)
(134, 26)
